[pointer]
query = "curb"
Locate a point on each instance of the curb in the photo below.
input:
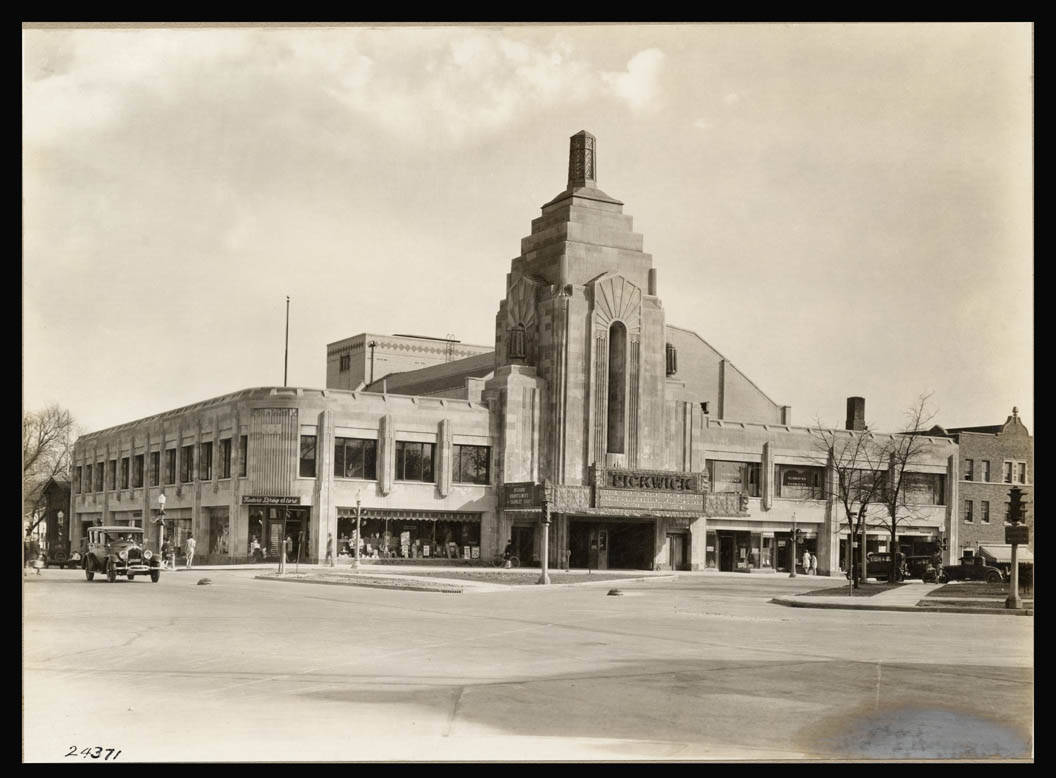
(902, 608)
(412, 586)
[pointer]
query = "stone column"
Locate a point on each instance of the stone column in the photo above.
(324, 513)
(386, 454)
(445, 461)
(698, 540)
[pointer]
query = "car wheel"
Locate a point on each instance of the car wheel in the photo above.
(131, 576)
(993, 578)
(111, 572)
(154, 576)
(89, 569)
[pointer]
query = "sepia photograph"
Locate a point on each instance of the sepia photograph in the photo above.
(527, 393)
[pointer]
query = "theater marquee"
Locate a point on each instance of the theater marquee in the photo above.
(649, 489)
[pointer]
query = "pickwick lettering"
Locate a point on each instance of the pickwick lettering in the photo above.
(660, 482)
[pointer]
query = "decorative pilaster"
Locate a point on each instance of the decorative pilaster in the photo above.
(443, 438)
(386, 454)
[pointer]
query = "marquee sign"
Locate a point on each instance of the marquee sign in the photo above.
(256, 499)
(649, 480)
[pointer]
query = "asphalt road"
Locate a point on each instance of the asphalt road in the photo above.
(693, 668)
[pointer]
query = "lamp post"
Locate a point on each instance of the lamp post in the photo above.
(544, 578)
(355, 561)
(795, 531)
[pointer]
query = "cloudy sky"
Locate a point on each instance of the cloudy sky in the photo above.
(838, 209)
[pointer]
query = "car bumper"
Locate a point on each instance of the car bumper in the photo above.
(136, 568)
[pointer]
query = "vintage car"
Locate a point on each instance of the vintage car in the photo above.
(59, 555)
(115, 551)
(923, 566)
(878, 565)
(971, 569)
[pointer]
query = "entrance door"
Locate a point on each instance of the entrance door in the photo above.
(599, 548)
(676, 552)
(524, 544)
(726, 553)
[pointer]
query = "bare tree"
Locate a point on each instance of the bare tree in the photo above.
(47, 442)
(875, 470)
(905, 452)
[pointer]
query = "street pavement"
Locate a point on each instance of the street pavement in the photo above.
(694, 667)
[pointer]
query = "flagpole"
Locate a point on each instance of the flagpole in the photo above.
(286, 356)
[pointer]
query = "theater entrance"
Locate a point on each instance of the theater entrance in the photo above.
(611, 545)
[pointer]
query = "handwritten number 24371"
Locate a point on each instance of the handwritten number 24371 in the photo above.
(94, 753)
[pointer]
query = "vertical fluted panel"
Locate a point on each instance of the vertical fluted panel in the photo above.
(274, 448)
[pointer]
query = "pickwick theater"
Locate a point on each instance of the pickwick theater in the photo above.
(652, 450)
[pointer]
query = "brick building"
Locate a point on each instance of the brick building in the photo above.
(655, 451)
(993, 459)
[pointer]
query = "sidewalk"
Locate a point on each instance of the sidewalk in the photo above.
(903, 598)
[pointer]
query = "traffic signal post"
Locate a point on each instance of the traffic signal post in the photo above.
(1016, 532)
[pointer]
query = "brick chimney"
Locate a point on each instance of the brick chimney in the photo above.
(856, 414)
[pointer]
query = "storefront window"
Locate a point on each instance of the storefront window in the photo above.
(113, 474)
(414, 461)
(407, 538)
(800, 483)
(356, 458)
(742, 477)
(472, 464)
(867, 485)
(155, 468)
(307, 469)
(98, 476)
(924, 488)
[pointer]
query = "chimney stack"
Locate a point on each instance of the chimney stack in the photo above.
(856, 414)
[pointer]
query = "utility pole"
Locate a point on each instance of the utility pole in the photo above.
(1016, 532)
(545, 577)
(286, 356)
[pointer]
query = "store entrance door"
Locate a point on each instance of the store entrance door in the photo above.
(676, 545)
(726, 553)
(523, 539)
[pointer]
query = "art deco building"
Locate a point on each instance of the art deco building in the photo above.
(651, 449)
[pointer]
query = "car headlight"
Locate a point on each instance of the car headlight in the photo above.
(148, 554)
(123, 554)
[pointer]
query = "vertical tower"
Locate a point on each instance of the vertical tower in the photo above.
(581, 319)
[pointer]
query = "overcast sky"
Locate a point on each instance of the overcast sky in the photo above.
(838, 209)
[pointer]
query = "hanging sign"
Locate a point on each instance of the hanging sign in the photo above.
(256, 499)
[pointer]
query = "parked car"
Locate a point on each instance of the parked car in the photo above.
(923, 567)
(116, 551)
(59, 555)
(878, 565)
(971, 569)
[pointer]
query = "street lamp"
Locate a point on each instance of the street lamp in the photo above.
(795, 532)
(355, 562)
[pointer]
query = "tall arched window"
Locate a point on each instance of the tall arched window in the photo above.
(617, 390)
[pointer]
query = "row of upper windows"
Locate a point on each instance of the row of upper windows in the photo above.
(132, 475)
(353, 458)
(808, 483)
(1012, 471)
(358, 458)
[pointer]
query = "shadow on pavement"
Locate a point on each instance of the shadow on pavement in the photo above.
(838, 709)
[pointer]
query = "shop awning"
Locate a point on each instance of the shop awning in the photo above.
(1004, 554)
(408, 515)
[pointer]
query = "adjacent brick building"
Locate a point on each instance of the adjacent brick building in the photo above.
(993, 459)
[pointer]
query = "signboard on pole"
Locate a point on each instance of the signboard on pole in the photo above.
(1018, 534)
(521, 494)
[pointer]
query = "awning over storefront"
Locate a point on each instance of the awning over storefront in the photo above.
(1004, 554)
(408, 515)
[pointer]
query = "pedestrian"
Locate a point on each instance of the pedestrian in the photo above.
(188, 550)
(508, 553)
(806, 562)
(172, 556)
(813, 563)
(166, 549)
(330, 548)
(34, 555)
(287, 548)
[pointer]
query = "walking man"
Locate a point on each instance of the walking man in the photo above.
(330, 548)
(188, 549)
(813, 563)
